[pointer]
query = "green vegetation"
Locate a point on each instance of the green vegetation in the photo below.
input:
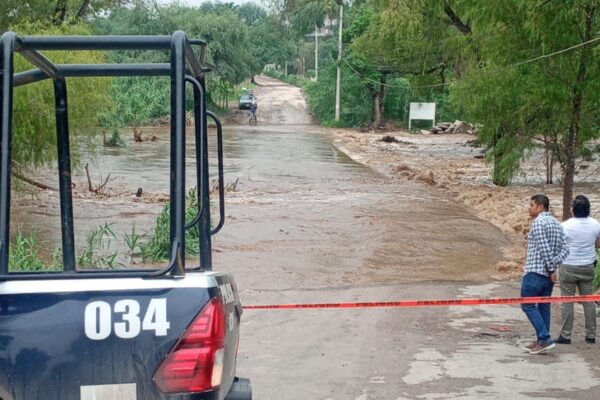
(34, 139)
(158, 246)
(25, 254)
(138, 100)
(97, 252)
(133, 242)
(115, 139)
(357, 109)
(522, 100)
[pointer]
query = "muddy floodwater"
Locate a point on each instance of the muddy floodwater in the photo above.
(307, 224)
(300, 208)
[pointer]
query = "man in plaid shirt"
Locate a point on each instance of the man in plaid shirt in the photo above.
(546, 250)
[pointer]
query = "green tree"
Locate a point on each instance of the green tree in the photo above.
(423, 40)
(229, 48)
(251, 14)
(34, 134)
(271, 42)
(357, 110)
(529, 98)
(13, 12)
(481, 46)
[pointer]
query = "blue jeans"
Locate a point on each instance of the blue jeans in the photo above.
(536, 285)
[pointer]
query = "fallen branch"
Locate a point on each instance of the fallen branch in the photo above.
(32, 182)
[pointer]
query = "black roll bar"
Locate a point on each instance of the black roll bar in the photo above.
(177, 176)
(184, 66)
(88, 70)
(198, 128)
(109, 42)
(64, 175)
(220, 172)
(7, 43)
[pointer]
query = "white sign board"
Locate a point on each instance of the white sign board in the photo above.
(421, 111)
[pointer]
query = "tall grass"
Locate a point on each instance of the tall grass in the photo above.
(158, 247)
(24, 254)
(97, 252)
(133, 242)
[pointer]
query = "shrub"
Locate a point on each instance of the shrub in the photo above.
(158, 247)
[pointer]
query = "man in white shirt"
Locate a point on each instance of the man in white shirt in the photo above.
(577, 271)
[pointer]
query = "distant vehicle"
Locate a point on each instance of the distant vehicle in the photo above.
(246, 100)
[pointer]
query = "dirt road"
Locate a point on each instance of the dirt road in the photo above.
(310, 225)
(278, 104)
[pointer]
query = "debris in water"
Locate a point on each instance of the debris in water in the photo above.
(389, 139)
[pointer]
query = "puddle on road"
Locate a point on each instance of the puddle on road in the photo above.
(302, 211)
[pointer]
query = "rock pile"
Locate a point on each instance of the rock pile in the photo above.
(454, 127)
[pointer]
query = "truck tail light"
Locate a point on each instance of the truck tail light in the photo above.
(195, 364)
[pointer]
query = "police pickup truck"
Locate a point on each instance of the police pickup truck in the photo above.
(126, 334)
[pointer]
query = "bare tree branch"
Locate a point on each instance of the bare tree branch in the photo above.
(455, 20)
(83, 9)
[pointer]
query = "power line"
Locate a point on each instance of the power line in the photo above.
(556, 52)
(509, 66)
(527, 61)
(370, 79)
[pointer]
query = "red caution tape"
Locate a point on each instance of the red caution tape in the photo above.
(432, 303)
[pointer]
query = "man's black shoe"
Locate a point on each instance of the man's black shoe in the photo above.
(590, 340)
(562, 340)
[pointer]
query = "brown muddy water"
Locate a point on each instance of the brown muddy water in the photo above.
(302, 212)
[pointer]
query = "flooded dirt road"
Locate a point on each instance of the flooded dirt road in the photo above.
(314, 227)
(308, 224)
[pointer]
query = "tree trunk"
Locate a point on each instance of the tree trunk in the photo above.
(382, 94)
(549, 158)
(378, 116)
(568, 179)
(376, 105)
(83, 9)
(497, 177)
(60, 12)
(576, 105)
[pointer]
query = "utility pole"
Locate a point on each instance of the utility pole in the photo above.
(316, 54)
(339, 71)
